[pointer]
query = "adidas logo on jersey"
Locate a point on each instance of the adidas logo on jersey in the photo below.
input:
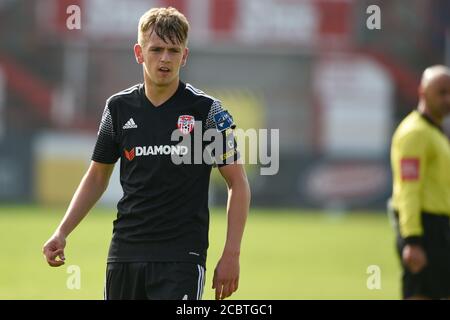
(130, 124)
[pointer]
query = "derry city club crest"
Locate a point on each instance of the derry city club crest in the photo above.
(186, 124)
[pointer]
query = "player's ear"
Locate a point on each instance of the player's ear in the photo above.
(420, 91)
(185, 56)
(138, 53)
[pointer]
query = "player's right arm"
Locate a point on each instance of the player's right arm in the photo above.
(91, 188)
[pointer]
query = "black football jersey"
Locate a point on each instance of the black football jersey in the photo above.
(163, 214)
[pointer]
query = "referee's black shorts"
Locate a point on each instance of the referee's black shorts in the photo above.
(434, 280)
(154, 281)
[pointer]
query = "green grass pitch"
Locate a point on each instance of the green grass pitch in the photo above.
(286, 254)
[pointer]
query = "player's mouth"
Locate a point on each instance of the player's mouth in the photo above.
(164, 70)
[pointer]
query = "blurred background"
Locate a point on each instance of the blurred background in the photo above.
(311, 68)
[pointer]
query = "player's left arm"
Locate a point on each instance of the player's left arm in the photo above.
(226, 274)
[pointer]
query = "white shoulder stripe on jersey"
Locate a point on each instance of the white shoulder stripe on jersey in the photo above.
(198, 92)
(126, 91)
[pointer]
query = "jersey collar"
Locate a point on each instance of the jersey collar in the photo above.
(173, 98)
(430, 121)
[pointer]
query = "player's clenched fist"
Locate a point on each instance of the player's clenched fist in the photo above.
(54, 248)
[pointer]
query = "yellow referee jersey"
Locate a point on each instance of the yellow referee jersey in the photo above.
(420, 160)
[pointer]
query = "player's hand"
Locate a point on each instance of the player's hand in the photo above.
(53, 248)
(414, 257)
(226, 276)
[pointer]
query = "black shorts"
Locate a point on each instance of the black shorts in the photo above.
(154, 281)
(434, 280)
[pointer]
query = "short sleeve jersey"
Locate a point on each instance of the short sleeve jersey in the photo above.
(163, 214)
(420, 159)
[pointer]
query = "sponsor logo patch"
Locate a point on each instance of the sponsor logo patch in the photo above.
(130, 154)
(410, 169)
(155, 151)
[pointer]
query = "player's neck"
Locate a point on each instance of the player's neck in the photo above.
(157, 95)
(423, 109)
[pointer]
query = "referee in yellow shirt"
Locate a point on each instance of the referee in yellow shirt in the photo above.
(420, 160)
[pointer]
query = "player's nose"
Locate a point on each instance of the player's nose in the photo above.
(165, 56)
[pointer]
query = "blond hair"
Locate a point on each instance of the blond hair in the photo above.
(168, 23)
